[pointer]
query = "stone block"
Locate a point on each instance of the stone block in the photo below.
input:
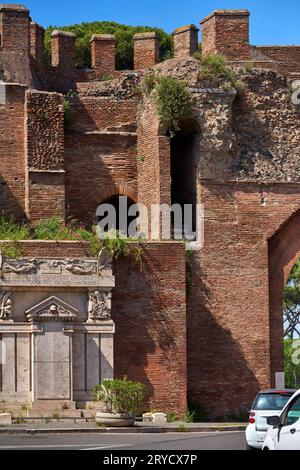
(5, 419)
(147, 418)
(159, 418)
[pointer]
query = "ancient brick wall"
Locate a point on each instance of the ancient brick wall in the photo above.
(185, 41)
(12, 183)
(149, 311)
(37, 36)
(146, 50)
(45, 183)
(154, 170)
(227, 32)
(287, 56)
(103, 51)
(15, 44)
(246, 188)
(100, 153)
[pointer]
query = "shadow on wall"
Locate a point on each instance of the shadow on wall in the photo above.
(219, 377)
(10, 204)
(149, 311)
(96, 160)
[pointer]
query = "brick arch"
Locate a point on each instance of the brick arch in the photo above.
(116, 190)
(284, 250)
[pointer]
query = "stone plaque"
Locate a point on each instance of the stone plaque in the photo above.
(52, 363)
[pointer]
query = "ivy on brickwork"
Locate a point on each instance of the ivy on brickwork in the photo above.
(172, 100)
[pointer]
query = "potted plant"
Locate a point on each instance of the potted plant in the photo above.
(123, 400)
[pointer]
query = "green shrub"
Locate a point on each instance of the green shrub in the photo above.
(149, 82)
(172, 417)
(11, 250)
(197, 55)
(213, 66)
(121, 396)
(173, 102)
(106, 77)
(248, 67)
(10, 229)
(52, 229)
(115, 245)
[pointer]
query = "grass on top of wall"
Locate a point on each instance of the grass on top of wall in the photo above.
(48, 229)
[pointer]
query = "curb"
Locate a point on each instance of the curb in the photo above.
(136, 430)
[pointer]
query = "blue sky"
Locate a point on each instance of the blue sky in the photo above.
(272, 21)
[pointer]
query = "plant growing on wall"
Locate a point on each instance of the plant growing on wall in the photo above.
(68, 109)
(115, 246)
(173, 102)
(214, 67)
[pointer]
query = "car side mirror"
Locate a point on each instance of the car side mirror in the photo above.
(273, 421)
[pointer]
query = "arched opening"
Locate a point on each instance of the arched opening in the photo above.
(284, 253)
(115, 214)
(184, 174)
(291, 328)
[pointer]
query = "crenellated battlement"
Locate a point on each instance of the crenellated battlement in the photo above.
(22, 49)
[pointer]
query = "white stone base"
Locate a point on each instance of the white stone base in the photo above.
(5, 419)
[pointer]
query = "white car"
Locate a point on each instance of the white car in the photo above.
(267, 403)
(284, 433)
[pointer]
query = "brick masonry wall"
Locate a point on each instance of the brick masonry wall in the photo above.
(185, 41)
(146, 50)
(228, 306)
(249, 188)
(15, 44)
(149, 310)
(12, 182)
(37, 35)
(100, 153)
(287, 56)
(154, 172)
(45, 182)
(45, 130)
(103, 51)
(227, 33)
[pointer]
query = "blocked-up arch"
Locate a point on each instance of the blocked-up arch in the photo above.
(284, 250)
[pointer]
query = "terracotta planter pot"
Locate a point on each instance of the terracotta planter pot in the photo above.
(113, 420)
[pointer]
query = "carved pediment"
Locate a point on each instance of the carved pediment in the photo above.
(51, 309)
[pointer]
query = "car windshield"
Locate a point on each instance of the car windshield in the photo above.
(271, 401)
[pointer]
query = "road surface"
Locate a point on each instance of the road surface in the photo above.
(128, 442)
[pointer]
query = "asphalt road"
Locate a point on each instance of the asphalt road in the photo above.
(168, 441)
